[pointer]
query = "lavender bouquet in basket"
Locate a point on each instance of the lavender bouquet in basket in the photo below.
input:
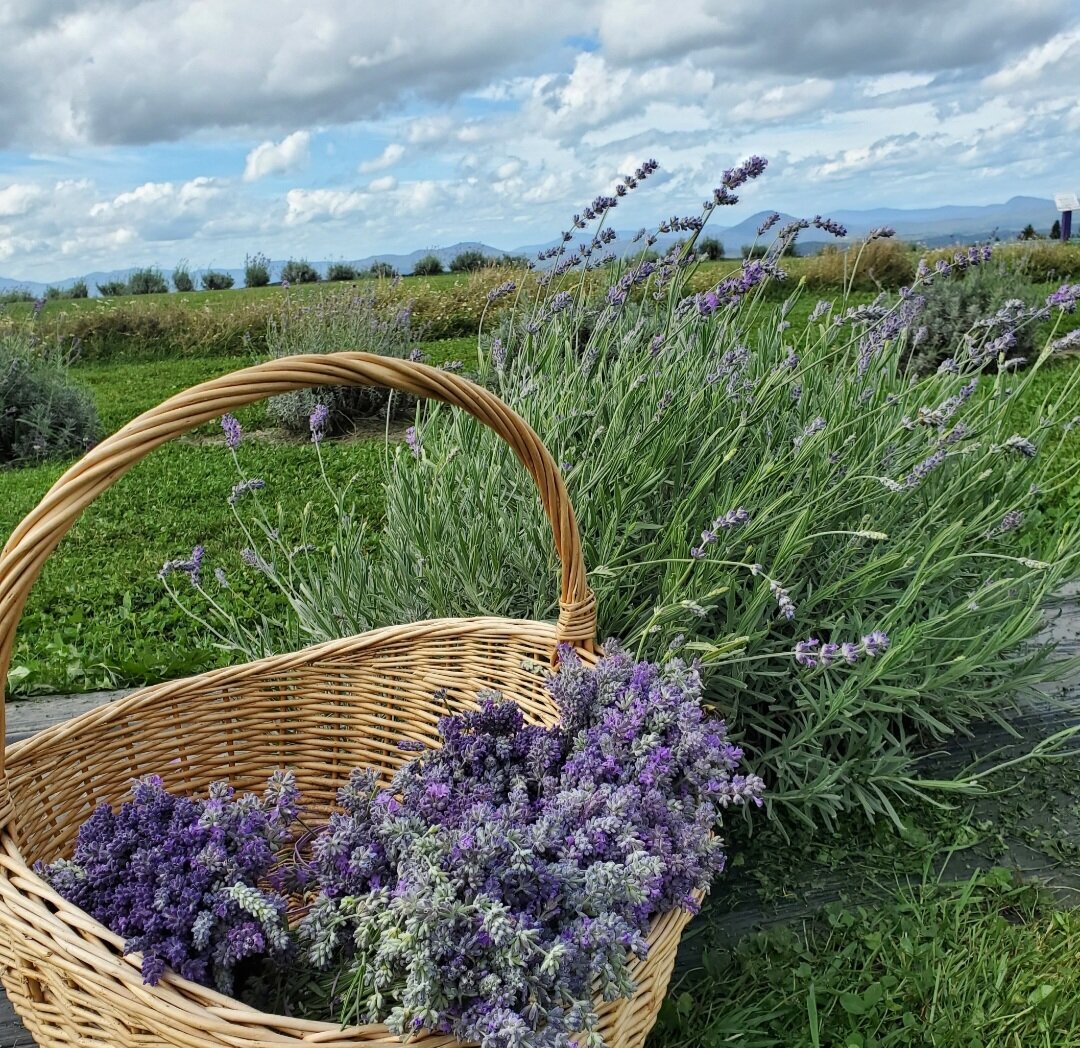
(497, 885)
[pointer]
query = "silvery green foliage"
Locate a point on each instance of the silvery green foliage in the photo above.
(874, 502)
(43, 413)
(350, 318)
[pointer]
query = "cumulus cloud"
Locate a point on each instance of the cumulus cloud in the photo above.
(831, 38)
(278, 158)
(18, 199)
(137, 71)
(387, 158)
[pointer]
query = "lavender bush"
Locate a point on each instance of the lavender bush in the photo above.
(752, 491)
(339, 319)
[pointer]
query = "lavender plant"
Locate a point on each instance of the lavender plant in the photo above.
(340, 319)
(861, 497)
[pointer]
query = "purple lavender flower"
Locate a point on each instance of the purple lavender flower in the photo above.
(924, 469)
(875, 643)
(39, 305)
(252, 559)
(1021, 445)
(850, 652)
(412, 438)
(178, 878)
(561, 301)
(806, 652)
(823, 307)
(784, 603)
(1065, 298)
(749, 169)
(829, 653)
(498, 354)
(504, 289)
(190, 566)
(770, 220)
(814, 426)
(317, 422)
(245, 487)
(827, 225)
(1066, 342)
(231, 429)
(1011, 521)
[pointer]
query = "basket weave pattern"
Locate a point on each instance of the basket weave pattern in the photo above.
(321, 711)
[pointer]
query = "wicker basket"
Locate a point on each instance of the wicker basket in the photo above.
(320, 711)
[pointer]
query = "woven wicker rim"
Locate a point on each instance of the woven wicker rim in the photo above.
(30, 544)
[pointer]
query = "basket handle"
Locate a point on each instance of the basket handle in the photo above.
(40, 532)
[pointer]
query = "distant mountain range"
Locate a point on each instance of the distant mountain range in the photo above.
(934, 227)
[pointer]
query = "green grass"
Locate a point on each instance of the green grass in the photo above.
(124, 389)
(988, 963)
(98, 616)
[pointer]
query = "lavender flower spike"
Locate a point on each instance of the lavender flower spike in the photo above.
(412, 438)
(806, 652)
(232, 431)
(875, 643)
(319, 417)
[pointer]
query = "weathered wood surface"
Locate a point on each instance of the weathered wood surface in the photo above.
(1037, 719)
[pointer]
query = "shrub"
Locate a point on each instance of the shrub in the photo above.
(1041, 261)
(344, 318)
(16, 294)
(382, 271)
(256, 270)
(42, 413)
(1028, 233)
(711, 248)
(215, 280)
(112, 288)
(299, 271)
(1055, 230)
(78, 290)
(428, 266)
(52, 294)
(147, 281)
(956, 305)
(869, 265)
(181, 277)
(854, 554)
(342, 271)
(468, 261)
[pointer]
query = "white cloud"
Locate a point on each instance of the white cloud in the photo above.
(784, 101)
(387, 158)
(281, 158)
(138, 71)
(19, 198)
(320, 205)
(381, 185)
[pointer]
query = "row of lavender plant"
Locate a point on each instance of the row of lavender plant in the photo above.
(855, 552)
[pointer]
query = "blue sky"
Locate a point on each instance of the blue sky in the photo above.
(138, 132)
